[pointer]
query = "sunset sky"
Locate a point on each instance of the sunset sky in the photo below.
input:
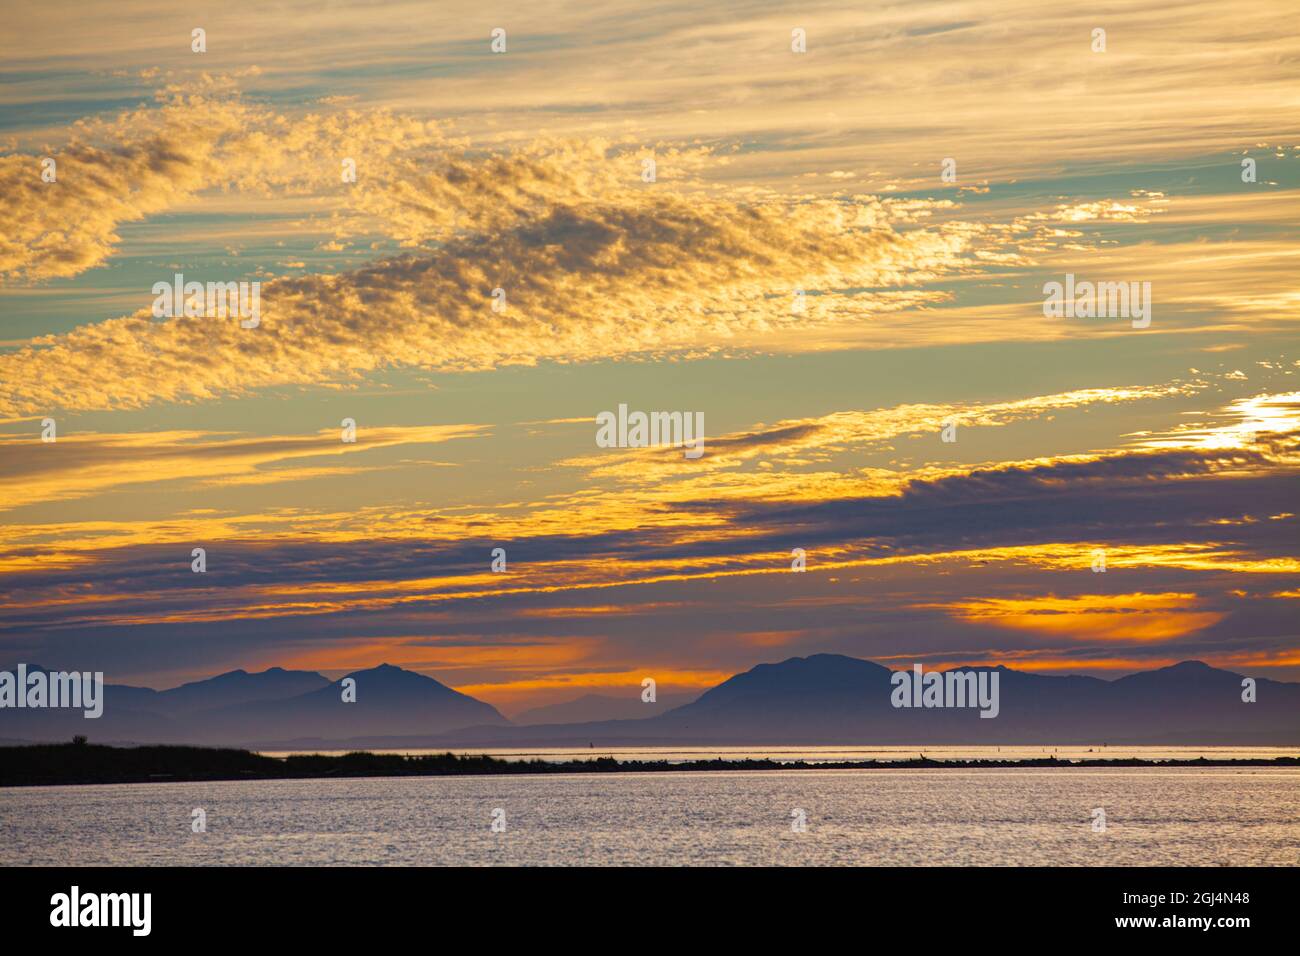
(1175, 448)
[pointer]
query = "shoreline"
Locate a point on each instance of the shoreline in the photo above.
(83, 764)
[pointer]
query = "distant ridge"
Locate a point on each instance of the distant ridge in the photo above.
(239, 706)
(831, 699)
(825, 699)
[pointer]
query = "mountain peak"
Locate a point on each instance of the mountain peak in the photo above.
(1193, 670)
(387, 670)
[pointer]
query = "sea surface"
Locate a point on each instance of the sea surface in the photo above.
(1005, 817)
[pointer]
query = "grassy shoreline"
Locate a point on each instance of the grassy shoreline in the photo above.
(71, 764)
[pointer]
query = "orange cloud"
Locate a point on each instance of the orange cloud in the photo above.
(75, 465)
(1106, 617)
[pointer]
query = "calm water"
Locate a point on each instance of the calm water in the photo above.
(1004, 817)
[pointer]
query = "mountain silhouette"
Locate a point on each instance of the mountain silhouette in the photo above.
(242, 707)
(839, 699)
(821, 699)
(836, 700)
(389, 700)
(239, 687)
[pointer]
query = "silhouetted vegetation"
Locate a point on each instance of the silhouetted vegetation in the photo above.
(83, 763)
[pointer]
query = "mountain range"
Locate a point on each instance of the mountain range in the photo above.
(821, 699)
(239, 707)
